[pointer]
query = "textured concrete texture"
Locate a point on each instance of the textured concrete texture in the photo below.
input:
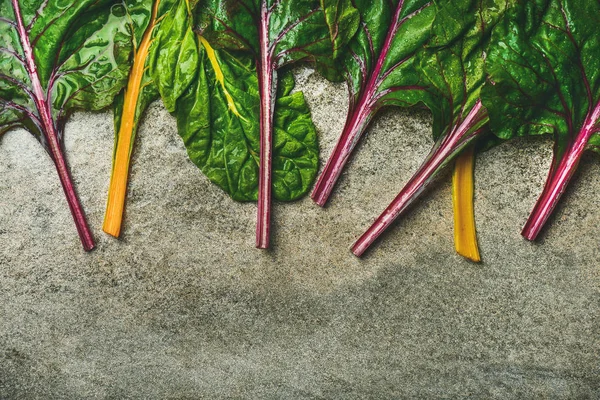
(183, 306)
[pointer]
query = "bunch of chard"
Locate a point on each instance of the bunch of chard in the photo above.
(56, 57)
(219, 68)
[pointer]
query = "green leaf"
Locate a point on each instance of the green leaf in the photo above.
(343, 20)
(277, 33)
(380, 63)
(295, 30)
(544, 68)
(56, 57)
(218, 121)
(453, 62)
(79, 50)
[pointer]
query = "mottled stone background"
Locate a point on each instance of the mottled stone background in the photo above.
(183, 306)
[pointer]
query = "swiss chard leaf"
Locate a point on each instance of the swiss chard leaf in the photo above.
(452, 70)
(165, 58)
(277, 33)
(380, 70)
(544, 65)
(222, 138)
(56, 57)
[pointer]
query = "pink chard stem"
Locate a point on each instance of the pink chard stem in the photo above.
(50, 134)
(355, 126)
(267, 87)
(559, 177)
(443, 152)
(357, 121)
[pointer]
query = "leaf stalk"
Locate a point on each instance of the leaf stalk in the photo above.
(560, 176)
(267, 87)
(113, 217)
(465, 234)
(355, 125)
(50, 133)
(358, 119)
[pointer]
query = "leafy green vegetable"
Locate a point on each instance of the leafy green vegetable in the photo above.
(544, 63)
(56, 57)
(165, 59)
(380, 70)
(222, 138)
(452, 68)
(276, 33)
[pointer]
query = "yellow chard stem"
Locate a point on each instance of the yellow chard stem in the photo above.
(465, 235)
(120, 171)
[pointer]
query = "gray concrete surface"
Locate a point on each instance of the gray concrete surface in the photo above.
(183, 306)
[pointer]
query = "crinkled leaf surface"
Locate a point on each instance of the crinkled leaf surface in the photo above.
(544, 66)
(453, 62)
(544, 63)
(218, 118)
(171, 59)
(294, 29)
(80, 53)
(380, 62)
(343, 19)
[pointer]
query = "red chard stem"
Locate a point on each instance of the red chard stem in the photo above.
(355, 126)
(559, 177)
(51, 135)
(358, 120)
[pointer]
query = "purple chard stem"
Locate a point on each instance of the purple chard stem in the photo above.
(42, 103)
(559, 177)
(357, 121)
(356, 124)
